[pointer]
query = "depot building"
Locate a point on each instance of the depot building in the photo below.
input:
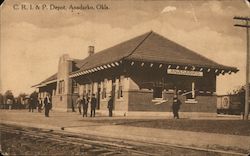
(141, 74)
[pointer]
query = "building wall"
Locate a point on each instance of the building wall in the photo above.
(63, 100)
(110, 83)
(136, 95)
(142, 100)
(120, 104)
(136, 99)
(43, 91)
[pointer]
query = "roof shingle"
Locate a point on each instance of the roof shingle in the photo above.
(150, 47)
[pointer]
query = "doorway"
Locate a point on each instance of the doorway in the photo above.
(113, 92)
(98, 97)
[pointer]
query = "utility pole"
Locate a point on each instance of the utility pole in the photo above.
(247, 26)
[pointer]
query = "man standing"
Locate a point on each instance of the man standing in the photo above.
(47, 104)
(110, 106)
(176, 106)
(85, 103)
(33, 102)
(93, 105)
(30, 102)
(79, 104)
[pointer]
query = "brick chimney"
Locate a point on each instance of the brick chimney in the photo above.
(91, 50)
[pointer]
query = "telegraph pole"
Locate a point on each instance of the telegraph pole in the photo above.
(247, 26)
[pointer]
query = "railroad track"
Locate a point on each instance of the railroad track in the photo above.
(88, 145)
(93, 145)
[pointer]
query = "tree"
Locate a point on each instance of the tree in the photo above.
(1, 98)
(8, 95)
(239, 91)
(21, 97)
(8, 99)
(34, 95)
(34, 98)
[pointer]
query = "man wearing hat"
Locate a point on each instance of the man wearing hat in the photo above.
(93, 105)
(110, 106)
(47, 104)
(176, 106)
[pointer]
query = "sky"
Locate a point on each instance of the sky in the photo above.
(32, 40)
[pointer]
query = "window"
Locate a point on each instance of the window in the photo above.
(104, 89)
(157, 93)
(157, 90)
(120, 87)
(190, 96)
(88, 89)
(92, 87)
(84, 90)
(61, 87)
(75, 87)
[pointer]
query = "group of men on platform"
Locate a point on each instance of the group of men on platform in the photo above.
(83, 102)
(34, 102)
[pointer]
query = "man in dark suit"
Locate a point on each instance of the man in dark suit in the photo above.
(30, 102)
(93, 105)
(110, 106)
(33, 103)
(47, 104)
(176, 106)
(85, 103)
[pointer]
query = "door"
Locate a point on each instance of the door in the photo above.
(98, 97)
(113, 92)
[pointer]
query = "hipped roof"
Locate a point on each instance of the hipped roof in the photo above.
(148, 47)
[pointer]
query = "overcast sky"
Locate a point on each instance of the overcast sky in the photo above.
(33, 40)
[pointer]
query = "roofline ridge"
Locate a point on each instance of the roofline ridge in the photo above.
(189, 49)
(149, 33)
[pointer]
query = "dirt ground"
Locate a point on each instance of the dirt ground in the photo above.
(232, 127)
(22, 144)
(100, 126)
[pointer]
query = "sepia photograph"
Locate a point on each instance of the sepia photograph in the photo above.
(125, 77)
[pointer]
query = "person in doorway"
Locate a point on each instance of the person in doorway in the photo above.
(110, 106)
(79, 104)
(85, 103)
(176, 106)
(93, 105)
(47, 104)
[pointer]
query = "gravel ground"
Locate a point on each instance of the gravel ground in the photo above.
(233, 127)
(19, 143)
